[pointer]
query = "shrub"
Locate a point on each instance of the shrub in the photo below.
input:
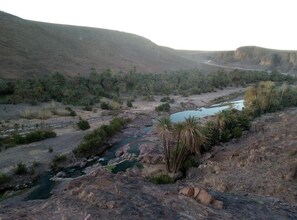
(71, 111)
(88, 108)
(161, 179)
(129, 104)
(167, 99)
(21, 169)
(57, 161)
(44, 114)
(3, 178)
(83, 124)
(236, 132)
(93, 141)
(163, 107)
(34, 136)
(61, 112)
(105, 106)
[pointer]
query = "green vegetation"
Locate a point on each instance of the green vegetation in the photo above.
(161, 179)
(71, 111)
(183, 141)
(129, 104)
(88, 91)
(3, 178)
(105, 106)
(187, 137)
(165, 107)
(268, 97)
(57, 161)
(21, 169)
(83, 124)
(34, 136)
(167, 99)
(94, 140)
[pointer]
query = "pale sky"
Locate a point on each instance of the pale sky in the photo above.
(183, 24)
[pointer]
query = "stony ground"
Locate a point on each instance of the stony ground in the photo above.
(264, 162)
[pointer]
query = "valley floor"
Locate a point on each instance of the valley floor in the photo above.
(254, 177)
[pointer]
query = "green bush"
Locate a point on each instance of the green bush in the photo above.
(237, 132)
(161, 179)
(3, 178)
(167, 99)
(88, 108)
(21, 169)
(93, 141)
(33, 136)
(163, 107)
(129, 104)
(57, 161)
(83, 124)
(105, 106)
(71, 111)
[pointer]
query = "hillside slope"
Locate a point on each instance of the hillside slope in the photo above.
(36, 48)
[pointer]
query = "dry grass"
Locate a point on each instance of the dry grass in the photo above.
(39, 114)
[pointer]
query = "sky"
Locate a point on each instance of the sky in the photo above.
(179, 24)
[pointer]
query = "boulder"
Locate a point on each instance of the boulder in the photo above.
(196, 191)
(61, 174)
(187, 191)
(218, 204)
(204, 197)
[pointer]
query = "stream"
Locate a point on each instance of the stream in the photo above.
(43, 186)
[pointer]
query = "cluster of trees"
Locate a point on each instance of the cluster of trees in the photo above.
(187, 139)
(88, 90)
(268, 97)
(93, 141)
(181, 141)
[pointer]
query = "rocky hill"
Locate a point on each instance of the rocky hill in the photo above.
(262, 58)
(34, 48)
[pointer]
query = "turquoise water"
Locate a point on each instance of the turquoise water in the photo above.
(203, 112)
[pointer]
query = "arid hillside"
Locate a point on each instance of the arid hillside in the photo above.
(30, 48)
(34, 48)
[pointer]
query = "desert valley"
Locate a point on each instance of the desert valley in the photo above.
(102, 124)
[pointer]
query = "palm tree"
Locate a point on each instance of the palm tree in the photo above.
(191, 135)
(221, 121)
(189, 141)
(164, 128)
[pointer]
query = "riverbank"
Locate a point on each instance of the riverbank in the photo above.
(142, 113)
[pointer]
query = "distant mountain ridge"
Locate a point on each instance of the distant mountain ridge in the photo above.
(30, 48)
(268, 59)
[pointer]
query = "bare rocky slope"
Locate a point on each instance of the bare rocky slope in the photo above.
(34, 48)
